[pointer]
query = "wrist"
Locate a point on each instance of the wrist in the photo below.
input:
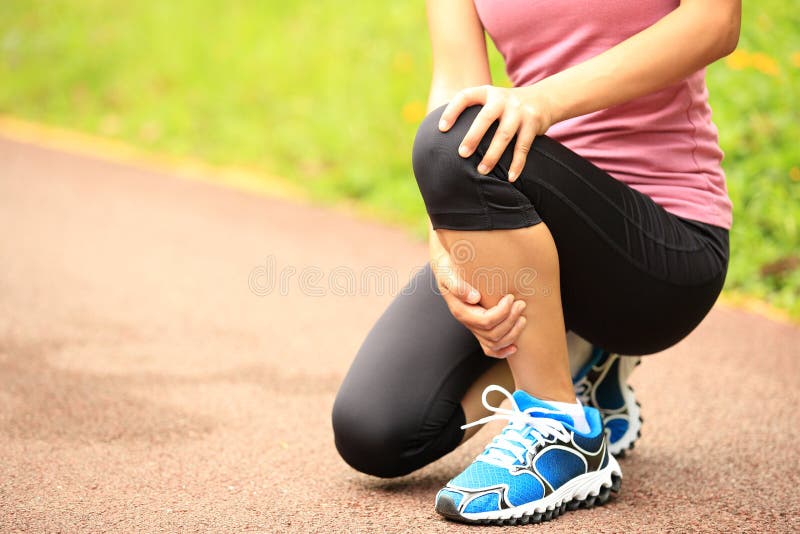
(546, 108)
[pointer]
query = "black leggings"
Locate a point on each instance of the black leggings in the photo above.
(635, 279)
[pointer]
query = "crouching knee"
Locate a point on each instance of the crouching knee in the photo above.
(369, 441)
(456, 195)
(445, 179)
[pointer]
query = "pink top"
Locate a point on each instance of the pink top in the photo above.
(663, 144)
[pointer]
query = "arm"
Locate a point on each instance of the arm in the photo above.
(458, 47)
(692, 36)
(695, 34)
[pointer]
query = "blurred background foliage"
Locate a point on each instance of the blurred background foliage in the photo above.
(328, 94)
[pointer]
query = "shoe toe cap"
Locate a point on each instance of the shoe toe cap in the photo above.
(447, 502)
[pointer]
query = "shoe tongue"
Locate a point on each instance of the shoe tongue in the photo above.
(524, 402)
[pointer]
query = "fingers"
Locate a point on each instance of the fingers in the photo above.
(500, 354)
(451, 282)
(501, 330)
(487, 319)
(499, 342)
(505, 346)
(461, 101)
(511, 337)
(510, 122)
(476, 317)
(523, 120)
(496, 328)
(525, 136)
(488, 114)
(462, 290)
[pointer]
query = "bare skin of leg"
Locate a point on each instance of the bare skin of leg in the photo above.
(523, 262)
(579, 353)
(472, 403)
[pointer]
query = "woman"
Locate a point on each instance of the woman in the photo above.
(613, 226)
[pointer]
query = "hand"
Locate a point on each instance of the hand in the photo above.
(496, 328)
(522, 112)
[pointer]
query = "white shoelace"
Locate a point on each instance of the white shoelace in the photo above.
(522, 433)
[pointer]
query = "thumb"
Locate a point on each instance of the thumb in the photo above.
(463, 290)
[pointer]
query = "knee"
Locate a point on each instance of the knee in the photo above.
(456, 195)
(442, 175)
(368, 438)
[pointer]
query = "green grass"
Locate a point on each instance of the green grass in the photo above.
(328, 95)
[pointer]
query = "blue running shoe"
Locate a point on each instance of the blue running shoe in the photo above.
(538, 467)
(603, 384)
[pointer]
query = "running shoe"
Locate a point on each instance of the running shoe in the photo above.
(603, 384)
(537, 468)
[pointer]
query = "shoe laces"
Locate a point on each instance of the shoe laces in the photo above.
(525, 429)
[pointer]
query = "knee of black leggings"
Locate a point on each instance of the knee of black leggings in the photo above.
(456, 196)
(369, 439)
(444, 177)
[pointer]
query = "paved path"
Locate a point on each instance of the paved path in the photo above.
(150, 378)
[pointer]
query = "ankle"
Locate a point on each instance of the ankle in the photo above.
(574, 409)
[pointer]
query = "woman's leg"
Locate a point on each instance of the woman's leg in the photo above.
(523, 262)
(634, 278)
(399, 407)
(570, 227)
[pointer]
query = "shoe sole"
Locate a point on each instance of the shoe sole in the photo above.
(620, 447)
(586, 491)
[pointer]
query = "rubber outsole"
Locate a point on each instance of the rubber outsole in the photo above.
(446, 507)
(622, 453)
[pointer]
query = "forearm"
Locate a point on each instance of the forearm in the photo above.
(686, 40)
